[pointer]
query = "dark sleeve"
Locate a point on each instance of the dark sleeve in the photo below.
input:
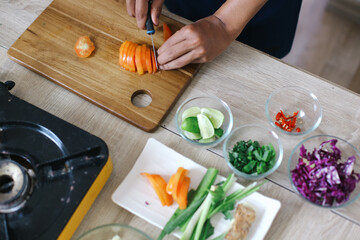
(272, 29)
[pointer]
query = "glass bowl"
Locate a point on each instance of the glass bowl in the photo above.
(290, 100)
(319, 176)
(264, 136)
(199, 104)
(111, 231)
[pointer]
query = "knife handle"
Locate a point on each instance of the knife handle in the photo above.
(149, 24)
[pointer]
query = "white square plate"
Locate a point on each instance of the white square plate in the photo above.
(136, 195)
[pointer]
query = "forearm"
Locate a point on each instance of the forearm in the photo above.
(235, 14)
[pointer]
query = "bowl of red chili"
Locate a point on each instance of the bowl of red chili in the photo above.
(325, 171)
(293, 110)
(253, 151)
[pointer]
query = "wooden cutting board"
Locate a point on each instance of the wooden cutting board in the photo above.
(47, 47)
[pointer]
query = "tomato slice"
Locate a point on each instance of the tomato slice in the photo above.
(148, 60)
(139, 66)
(167, 32)
(84, 47)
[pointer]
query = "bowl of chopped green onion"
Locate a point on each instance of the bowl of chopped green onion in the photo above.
(293, 111)
(253, 151)
(325, 171)
(204, 121)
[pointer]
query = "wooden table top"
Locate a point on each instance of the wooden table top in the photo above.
(242, 77)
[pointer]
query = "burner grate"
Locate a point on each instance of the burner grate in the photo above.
(60, 164)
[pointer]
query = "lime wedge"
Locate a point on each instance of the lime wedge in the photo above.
(190, 112)
(219, 132)
(207, 140)
(190, 124)
(206, 128)
(216, 117)
(192, 136)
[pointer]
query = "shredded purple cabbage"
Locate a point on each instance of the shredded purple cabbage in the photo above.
(321, 177)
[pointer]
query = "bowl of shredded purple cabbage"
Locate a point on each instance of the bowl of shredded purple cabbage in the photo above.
(325, 170)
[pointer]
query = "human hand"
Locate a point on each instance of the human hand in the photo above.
(139, 9)
(199, 42)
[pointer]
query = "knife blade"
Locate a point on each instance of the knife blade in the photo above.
(150, 30)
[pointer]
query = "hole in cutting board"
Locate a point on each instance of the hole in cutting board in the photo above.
(141, 98)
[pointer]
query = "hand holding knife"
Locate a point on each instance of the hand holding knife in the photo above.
(150, 29)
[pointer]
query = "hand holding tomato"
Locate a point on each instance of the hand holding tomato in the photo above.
(199, 42)
(139, 8)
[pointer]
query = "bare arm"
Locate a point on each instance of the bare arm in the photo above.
(207, 38)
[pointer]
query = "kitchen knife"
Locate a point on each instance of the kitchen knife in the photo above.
(150, 30)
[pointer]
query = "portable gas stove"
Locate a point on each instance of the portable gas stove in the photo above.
(50, 171)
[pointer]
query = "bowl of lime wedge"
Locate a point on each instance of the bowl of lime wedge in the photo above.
(204, 121)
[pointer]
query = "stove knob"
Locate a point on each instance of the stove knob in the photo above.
(9, 85)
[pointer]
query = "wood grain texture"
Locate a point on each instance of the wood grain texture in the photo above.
(47, 48)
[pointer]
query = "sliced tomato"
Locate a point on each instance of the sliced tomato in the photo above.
(139, 66)
(148, 60)
(159, 185)
(167, 32)
(84, 47)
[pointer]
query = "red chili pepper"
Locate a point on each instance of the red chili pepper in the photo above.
(286, 123)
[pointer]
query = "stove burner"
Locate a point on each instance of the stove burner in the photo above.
(50, 171)
(15, 186)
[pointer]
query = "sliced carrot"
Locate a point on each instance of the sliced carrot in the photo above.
(138, 63)
(167, 32)
(162, 184)
(125, 53)
(153, 61)
(143, 57)
(170, 185)
(148, 60)
(183, 192)
(132, 57)
(159, 185)
(127, 62)
(121, 51)
(84, 47)
(179, 177)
